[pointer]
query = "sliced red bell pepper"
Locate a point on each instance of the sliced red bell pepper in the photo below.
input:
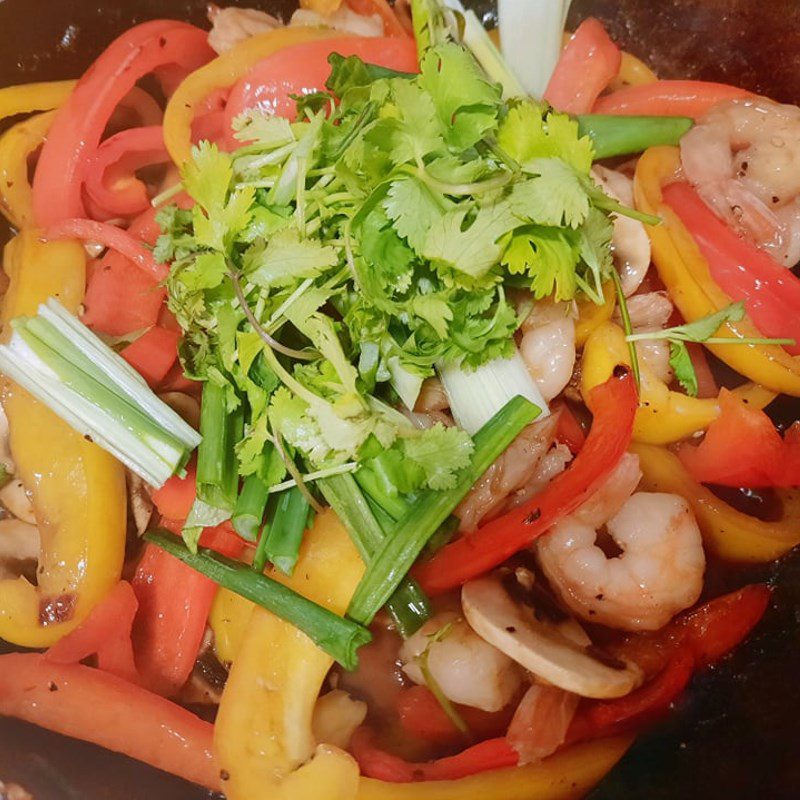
(588, 64)
(111, 179)
(668, 99)
(771, 293)
(422, 717)
(110, 236)
(610, 717)
(743, 448)
(79, 125)
(105, 633)
(569, 431)
(377, 763)
(614, 406)
(174, 602)
(304, 68)
(392, 25)
(92, 705)
(153, 354)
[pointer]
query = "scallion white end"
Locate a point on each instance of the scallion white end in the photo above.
(65, 366)
(477, 395)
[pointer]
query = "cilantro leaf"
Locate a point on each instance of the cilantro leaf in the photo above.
(554, 195)
(441, 452)
(705, 328)
(287, 258)
(682, 366)
(413, 209)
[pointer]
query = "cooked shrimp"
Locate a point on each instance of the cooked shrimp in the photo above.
(552, 463)
(468, 670)
(548, 346)
(654, 353)
(512, 471)
(230, 26)
(541, 721)
(650, 312)
(658, 573)
(630, 243)
(743, 158)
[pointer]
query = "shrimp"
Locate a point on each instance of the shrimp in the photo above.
(650, 312)
(540, 723)
(230, 26)
(511, 472)
(743, 158)
(467, 669)
(548, 346)
(658, 573)
(630, 243)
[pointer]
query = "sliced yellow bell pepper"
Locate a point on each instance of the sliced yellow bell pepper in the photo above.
(632, 72)
(322, 7)
(229, 618)
(685, 273)
(591, 316)
(78, 490)
(727, 533)
(29, 97)
(567, 775)
(263, 731)
(16, 145)
(221, 73)
(663, 416)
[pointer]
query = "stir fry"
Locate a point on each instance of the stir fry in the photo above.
(386, 388)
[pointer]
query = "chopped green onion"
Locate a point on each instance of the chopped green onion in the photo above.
(409, 606)
(249, 512)
(260, 556)
(400, 549)
(286, 530)
(217, 471)
(477, 395)
(390, 502)
(340, 638)
(532, 60)
(64, 365)
(615, 135)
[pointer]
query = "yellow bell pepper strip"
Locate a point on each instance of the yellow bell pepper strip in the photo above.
(685, 273)
(632, 72)
(229, 618)
(727, 533)
(221, 73)
(78, 490)
(591, 315)
(663, 416)
(29, 97)
(567, 775)
(263, 731)
(16, 145)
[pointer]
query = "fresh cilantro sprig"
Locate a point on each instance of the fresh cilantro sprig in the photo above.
(700, 331)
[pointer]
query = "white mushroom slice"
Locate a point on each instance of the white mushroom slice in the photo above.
(5, 448)
(139, 500)
(19, 541)
(540, 646)
(184, 405)
(14, 496)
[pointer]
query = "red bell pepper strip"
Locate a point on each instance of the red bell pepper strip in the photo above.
(111, 179)
(743, 448)
(106, 633)
(153, 354)
(668, 99)
(609, 717)
(422, 717)
(89, 704)
(79, 125)
(174, 602)
(175, 498)
(614, 406)
(304, 68)
(588, 64)
(110, 236)
(569, 431)
(392, 25)
(771, 293)
(377, 763)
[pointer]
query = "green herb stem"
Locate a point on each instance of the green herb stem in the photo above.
(337, 636)
(249, 512)
(626, 326)
(286, 530)
(400, 549)
(615, 135)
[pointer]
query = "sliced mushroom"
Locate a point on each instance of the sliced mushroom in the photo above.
(540, 646)
(184, 405)
(14, 496)
(139, 501)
